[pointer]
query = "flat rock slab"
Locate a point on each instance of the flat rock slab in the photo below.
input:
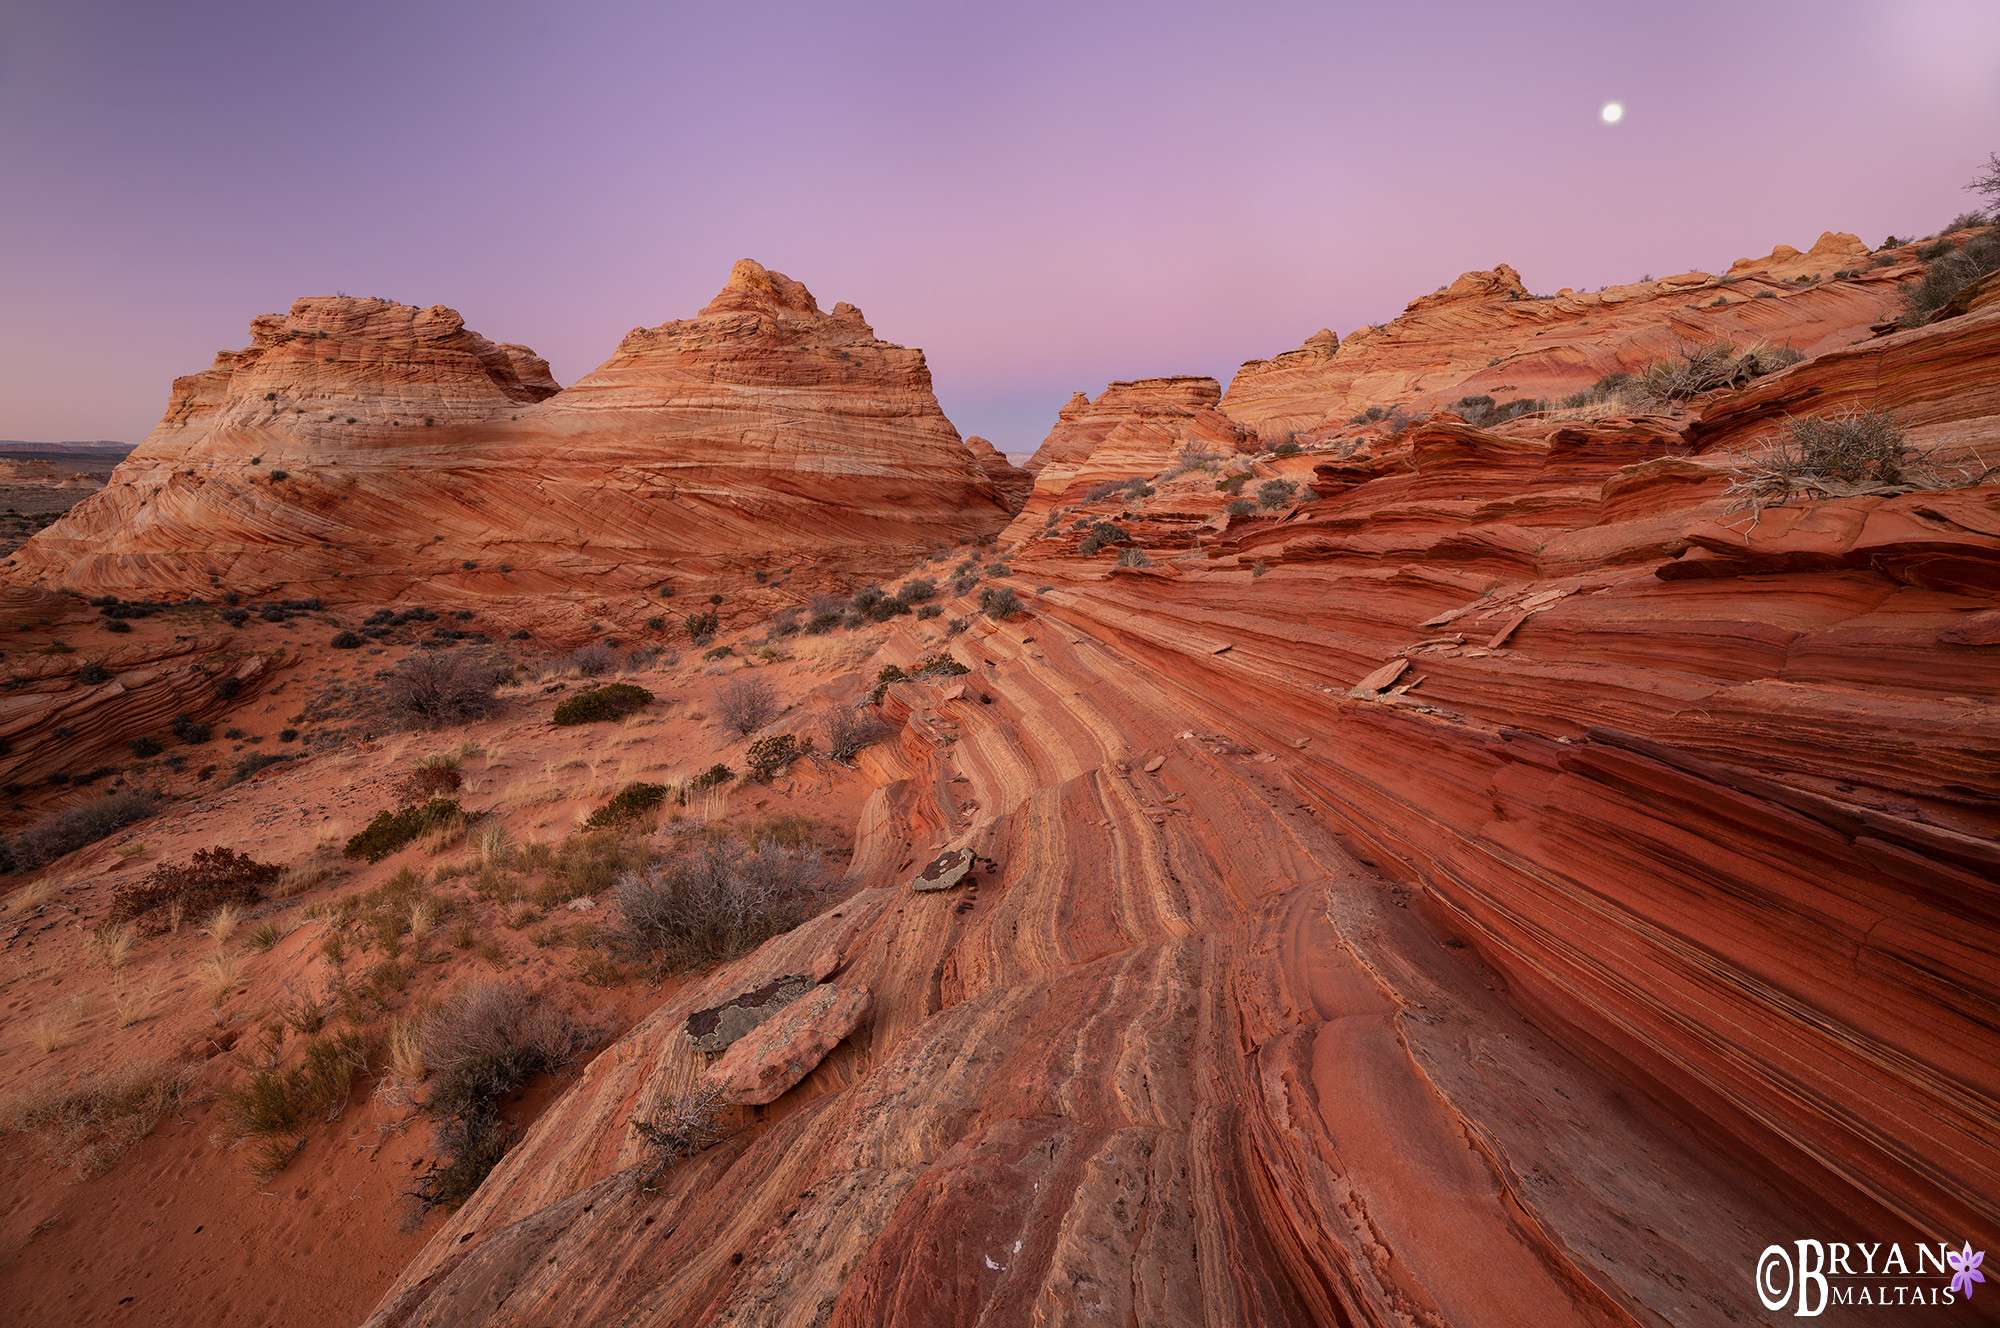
(721, 1025)
(947, 869)
(766, 1062)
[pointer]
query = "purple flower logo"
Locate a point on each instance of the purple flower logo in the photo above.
(1965, 1268)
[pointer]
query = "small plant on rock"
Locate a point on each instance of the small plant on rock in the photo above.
(747, 703)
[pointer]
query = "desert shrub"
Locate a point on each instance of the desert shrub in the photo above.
(234, 617)
(433, 777)
(629, 803)
(821, 623)
(1288, 448)
(594, 660)
(1241, 507)
(93, 674)
(345, 641)
(849, 730)
(228, 686)
(929, 611)
(747, 703)
(720, 652)
(714, 900)
(251, 764)
(767, 754)
(1133, 557)
(918, 590)
(1947, 274)
(1131, 489)
(674, 1126)
(885, 675)
(938, 664)
(1699, 367)
(1232, 484)
(210, 879)
(89, 1124)
(999, 602)
(588, 864)
(1842, 454)
(390, 831)
(611, 701)
(66, 831)
(1276, 493)
(715, 775)
(485, 1042)
(437, 687)
(143, 747)
(1102, 533)
(701, 626)
(1191, 455)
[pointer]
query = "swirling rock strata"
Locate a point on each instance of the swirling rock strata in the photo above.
(360, 447)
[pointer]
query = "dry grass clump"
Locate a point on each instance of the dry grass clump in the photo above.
(221, 924)
(715, 899)
(1191, 455)
(33, 896)
(88, 1125)
(54, 1027)
(113, 943)
(674, 1126)
(220, 975)
(1842, 454)
(135, 1008)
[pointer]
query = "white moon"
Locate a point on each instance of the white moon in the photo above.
(1612, 113)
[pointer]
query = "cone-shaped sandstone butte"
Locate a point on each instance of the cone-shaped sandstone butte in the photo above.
(359, 447)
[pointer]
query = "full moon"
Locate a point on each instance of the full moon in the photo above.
(1612, 113)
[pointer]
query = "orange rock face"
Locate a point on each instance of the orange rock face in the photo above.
(1131, 430)
(1486, 334)
(1011, 482)
(358, 448)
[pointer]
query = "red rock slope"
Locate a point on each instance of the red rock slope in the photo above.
(360, 447)
(1423, 906)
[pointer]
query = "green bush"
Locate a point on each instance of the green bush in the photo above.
(701, 626)
(612, 701)
(714, 775)
(767, 754)
(632, 801)
(389, 831)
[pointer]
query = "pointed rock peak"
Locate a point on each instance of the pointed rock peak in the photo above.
(1324, 338)
(755, 289)
(1077, 402)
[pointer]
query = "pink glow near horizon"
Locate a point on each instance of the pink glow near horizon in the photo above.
(1044, 197)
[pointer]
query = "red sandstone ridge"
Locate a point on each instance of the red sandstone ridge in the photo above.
(1132, 429)
(1486, 334)
(1009, 480)
(358, 448)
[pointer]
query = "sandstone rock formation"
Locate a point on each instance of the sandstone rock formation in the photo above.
(1132, 430)
(359, 447)
(1486, 334)
(1011, 482)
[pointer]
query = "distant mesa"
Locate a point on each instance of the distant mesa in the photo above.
(358, 447)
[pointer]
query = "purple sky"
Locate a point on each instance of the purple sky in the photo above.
(1042, 196)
